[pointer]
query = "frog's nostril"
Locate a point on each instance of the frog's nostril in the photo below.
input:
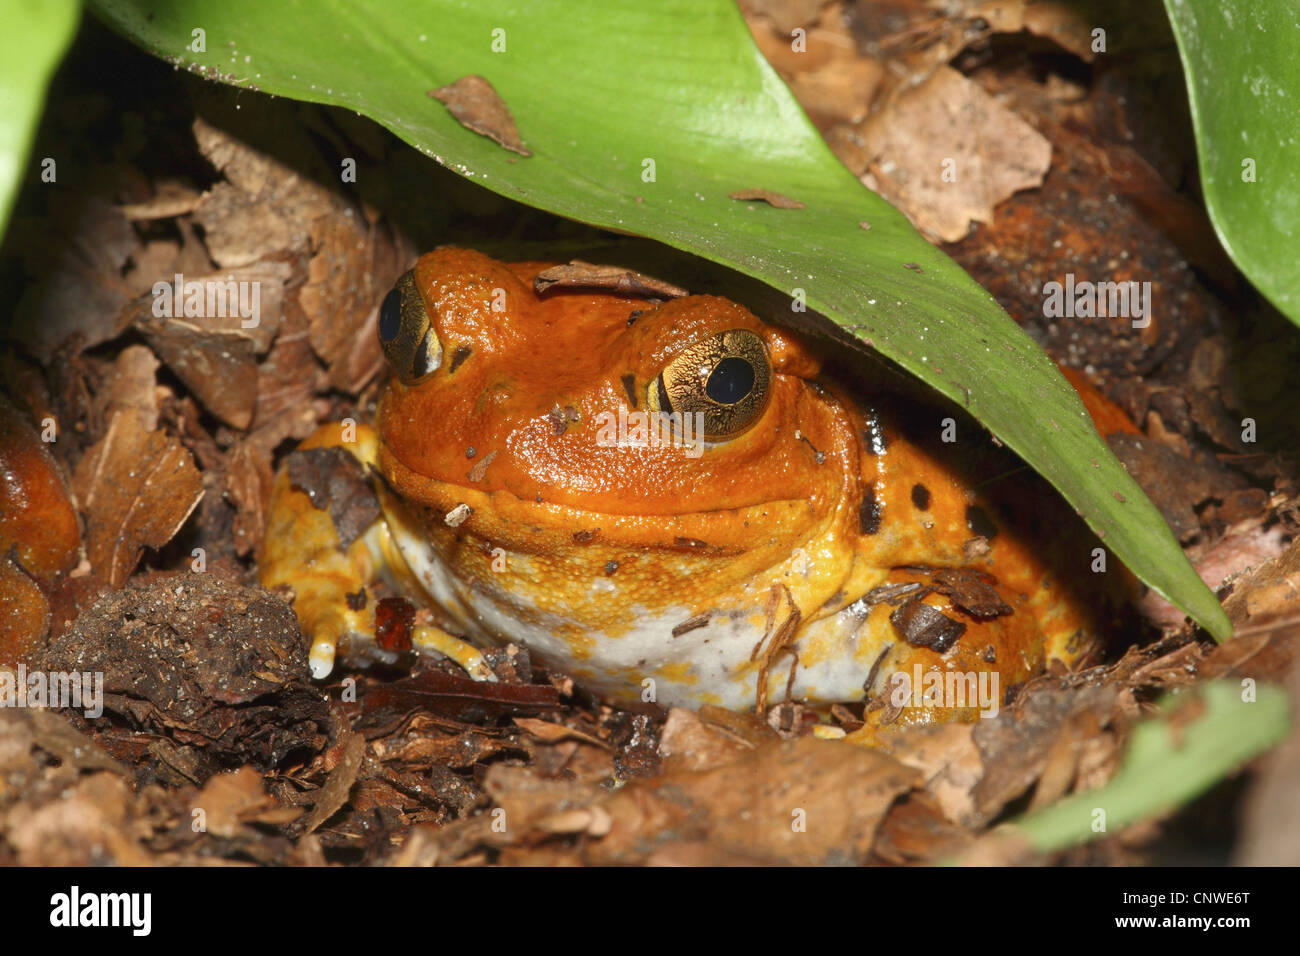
(731, 380)
(390, 316)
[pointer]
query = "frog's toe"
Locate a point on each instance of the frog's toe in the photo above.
(426, 638)
(330, 629)
(321, 658)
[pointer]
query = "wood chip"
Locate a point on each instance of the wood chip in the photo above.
(923, 625)
(972, 591)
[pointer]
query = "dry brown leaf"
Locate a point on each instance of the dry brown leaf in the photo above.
(171, 199)
(84, 825)
(949, 127)
(552, 733)
(229, 800)
(916, 830)
(264, 209)
(79, 253)
(351, 269)
(215, 356)
(785, 15)
(950, 762)
(784, 803)
(476, 105)
(136, 488)
(525, 798)
(133, 386)
(767, 196)
(1017, 745)
(249, 479)
(830, 79)
(689, 743)
(586, 275)
(75, 749)
(331, 797)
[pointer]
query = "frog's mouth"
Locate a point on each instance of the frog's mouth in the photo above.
(530, 525)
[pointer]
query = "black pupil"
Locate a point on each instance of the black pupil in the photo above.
(390, 316)
(732, 380)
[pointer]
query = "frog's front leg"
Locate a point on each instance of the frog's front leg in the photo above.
(305, 549)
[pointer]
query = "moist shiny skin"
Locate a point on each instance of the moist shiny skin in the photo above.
(769, 563)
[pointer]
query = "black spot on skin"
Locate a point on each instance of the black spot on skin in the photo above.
(631, 321)
(978, 520)
(869, 512)
(610, 567)
(458, 357)
(921, 497)
(357, 602)
(471, 451)
(582, 537)
(629, 386)
(665, 403)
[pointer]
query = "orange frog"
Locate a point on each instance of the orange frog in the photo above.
(678, 502)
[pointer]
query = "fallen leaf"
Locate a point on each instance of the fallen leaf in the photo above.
(215, 355)
(331, 797)
(690, 743)
(551, 732)
(136, 488)
(585, 275)
(784, 803)
(476, 105)
(767, 196)
(228, 800)
(946, 153)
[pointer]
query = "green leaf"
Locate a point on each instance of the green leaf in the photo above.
(597, 90)
(1243, 81)
(32, 43)
(1169, 761)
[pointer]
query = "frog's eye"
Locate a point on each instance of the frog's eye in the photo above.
(408, 340)
(726, 378)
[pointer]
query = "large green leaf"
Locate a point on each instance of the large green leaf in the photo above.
(1243, 81)
(31, 45)
(1169, 761)
(599, 89)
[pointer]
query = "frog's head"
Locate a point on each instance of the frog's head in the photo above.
(553, 406)
(539, 495)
